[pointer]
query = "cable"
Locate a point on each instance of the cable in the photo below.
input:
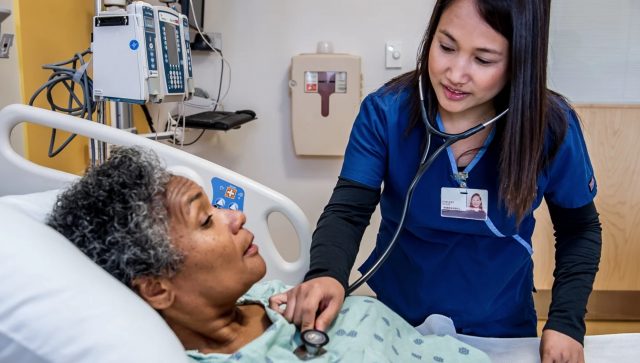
(195, 22)
(184, 120)
(147, 116)
(224, 60)
(219, 96)
(68, 77)
(215, 107)
(196, 139)
(228, 82)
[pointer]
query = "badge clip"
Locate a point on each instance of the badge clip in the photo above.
(461, 178)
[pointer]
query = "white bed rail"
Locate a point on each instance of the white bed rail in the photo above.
(21, 176)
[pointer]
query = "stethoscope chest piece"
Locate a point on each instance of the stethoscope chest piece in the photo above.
(312, 342)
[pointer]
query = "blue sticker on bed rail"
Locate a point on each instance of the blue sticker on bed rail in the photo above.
(227, 195)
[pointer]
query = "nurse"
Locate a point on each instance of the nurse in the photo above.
(477, 58)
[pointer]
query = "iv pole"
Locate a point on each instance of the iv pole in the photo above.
(123, 111)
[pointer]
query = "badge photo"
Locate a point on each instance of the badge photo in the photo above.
(464, 203)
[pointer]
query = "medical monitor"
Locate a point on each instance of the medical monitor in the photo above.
(172, 49)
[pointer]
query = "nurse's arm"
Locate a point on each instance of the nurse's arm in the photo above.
(578, 236)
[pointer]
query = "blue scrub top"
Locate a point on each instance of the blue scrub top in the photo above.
(479, 273)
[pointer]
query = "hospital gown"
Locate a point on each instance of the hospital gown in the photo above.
(364, 331)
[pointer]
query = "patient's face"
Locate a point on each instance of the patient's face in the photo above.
(221, 262)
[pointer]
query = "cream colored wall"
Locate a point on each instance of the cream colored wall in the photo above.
(9, 75)
(259, 38)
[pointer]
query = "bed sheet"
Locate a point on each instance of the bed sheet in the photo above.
(618, 348)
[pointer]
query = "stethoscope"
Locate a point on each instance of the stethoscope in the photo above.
(449, 139)
(313, 340)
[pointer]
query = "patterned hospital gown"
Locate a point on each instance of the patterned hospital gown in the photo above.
(364, 331)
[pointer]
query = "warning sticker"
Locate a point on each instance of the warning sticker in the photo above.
(311, 82)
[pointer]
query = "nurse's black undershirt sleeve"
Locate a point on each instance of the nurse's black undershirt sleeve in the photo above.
(336, 239)
(578, 244)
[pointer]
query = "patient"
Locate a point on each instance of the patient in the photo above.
(199, 269)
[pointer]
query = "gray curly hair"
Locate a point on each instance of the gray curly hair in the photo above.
(115, 214)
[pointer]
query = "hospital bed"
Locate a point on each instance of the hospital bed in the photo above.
(57, 306)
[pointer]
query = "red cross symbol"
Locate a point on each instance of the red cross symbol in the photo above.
(231, 193)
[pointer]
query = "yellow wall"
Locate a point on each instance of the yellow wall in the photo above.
(50, 31)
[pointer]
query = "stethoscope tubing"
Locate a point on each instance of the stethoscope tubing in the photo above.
(425, 163)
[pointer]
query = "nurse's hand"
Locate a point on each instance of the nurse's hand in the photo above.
(313, 304)
(556, 347)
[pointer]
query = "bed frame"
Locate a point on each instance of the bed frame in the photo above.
(22, 176)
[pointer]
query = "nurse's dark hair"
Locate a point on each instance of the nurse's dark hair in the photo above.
(535, 112)
(116, 215)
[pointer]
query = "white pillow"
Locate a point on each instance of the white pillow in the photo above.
(56, 305)
(35, 205)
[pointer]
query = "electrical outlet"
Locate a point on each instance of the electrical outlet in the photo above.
(216, 39)
(393, 54)
(5, 44)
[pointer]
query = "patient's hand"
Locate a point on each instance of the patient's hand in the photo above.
(312, 304)
(556, 347)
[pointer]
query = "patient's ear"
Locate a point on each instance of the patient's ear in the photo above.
(155, 291)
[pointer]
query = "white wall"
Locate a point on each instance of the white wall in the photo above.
(259, 38)
(594, 54)
(9, 75)
(594, 57)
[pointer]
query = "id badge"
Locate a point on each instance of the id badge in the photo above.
(464, 203)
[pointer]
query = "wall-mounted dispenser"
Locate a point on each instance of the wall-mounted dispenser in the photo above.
(326, 90)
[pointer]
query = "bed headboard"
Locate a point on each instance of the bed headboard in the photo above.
(21, 176)
(58, 306)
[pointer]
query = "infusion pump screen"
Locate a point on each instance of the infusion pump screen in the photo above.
(170, 35)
